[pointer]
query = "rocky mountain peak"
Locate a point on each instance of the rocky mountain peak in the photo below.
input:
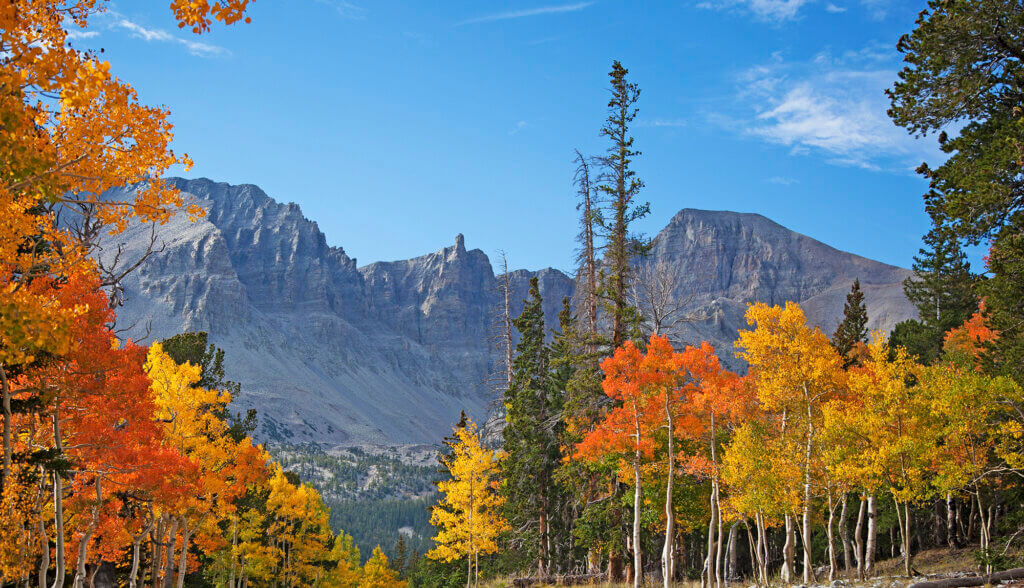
(392, 351)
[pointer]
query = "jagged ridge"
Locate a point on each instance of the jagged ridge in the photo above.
(391, 352)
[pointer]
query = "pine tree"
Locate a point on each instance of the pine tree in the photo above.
(532, 412)
(854, 327)
(620, 187)
(401, 558)
(942, 290)
(1004, 306)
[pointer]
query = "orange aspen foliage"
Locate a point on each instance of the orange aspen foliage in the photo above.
(964, 344)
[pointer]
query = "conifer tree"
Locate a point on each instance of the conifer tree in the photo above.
(854, 327)
(941, 289)
(532, 412)
(620, 187)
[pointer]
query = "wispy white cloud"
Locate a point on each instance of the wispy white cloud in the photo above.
(345, 9)
(519, 126)
(661, 122)
(196, 48)
(79, 35)
(831, 106)
(778, 11)
(769, 10)
(514, 14)
(782, 181)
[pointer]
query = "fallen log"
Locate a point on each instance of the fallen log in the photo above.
(569, 580)
(996, 578)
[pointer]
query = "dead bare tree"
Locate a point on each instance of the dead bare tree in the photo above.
(502, 345)
(653, 292)
(113, 265)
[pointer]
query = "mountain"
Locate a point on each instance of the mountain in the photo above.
(391, 352)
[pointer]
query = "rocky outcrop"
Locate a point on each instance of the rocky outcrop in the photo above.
(391, 352)
(725, 261)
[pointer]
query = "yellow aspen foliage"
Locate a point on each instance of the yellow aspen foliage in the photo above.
(70, 131)
(348, 573)
(19, 545)
(377, 574)
(468, 517)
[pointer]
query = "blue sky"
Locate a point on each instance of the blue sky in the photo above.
(396, 125)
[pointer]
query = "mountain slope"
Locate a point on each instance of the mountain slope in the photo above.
(391, 352)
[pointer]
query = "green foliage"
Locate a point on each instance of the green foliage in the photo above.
(965, 62)
(619, 187)
(942, 290)
(533, 424)
(195, 348)
(1004, 304)
(854, 327)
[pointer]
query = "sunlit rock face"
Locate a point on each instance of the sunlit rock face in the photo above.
(725, 261)
(391, 352)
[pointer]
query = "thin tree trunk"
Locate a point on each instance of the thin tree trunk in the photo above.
(186, 534)
(869, 549)
(908, 554)
(83, 545)
(832, 565)
(719, 576)
(167, 572)
(44, 540)
(788, 572)
(805, 538)
(755, 555)
(858, 536)
(234, 550)
(732, 559)
(156, 552)
(638, 570)
(762, 544)
(844, 534)
(668, 552)
(8, 424)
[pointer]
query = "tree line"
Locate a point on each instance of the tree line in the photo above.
(625, 456)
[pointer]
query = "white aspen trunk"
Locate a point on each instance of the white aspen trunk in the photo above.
(234, 550)
(186, 534)
(788, 571)
(59, 551)
(136, 554)
(907, 542)
(755, 555)
(44, 542)
(710, 567)
(983, 538)
(731, 560)
(719, 576)
(950, 522)
(5, 396)
(869, 548)
(859, 538)
(668, 572)
(844, 534)
(832, 565)
(638, 570)
(156, 552)
(83, 545)
(805, 537)
(167, 571)
(762, 548)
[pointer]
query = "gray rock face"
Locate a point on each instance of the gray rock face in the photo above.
(726, 260)
(391, 352)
